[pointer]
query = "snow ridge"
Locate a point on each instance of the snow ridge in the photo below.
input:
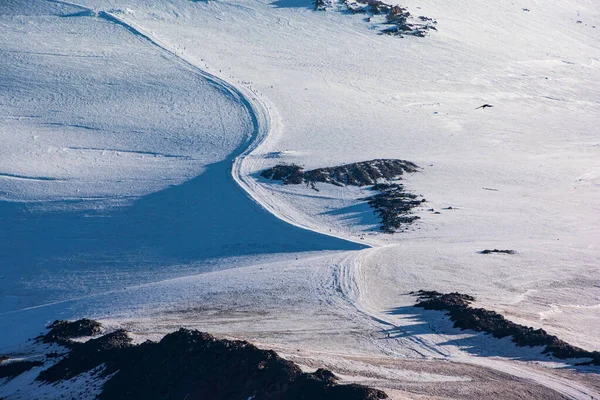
(256, 107)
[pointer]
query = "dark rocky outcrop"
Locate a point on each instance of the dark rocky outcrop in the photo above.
(396, 20)
(487, 251)
(362, 173)
(457, 307)
(195, 365)
(392, 203)
(288, 174)
(63, 331)
(393, 206)
(320, 5)
(88, 355)
(11, 369)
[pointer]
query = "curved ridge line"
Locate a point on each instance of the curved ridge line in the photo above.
(257, 110)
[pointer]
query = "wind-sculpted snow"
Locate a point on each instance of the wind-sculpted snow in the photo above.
(82, 121)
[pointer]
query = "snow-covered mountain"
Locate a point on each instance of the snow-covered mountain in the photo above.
(134, 133)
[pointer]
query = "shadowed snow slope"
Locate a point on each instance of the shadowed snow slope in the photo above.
(116, 163)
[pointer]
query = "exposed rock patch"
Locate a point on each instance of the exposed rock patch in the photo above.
(195, 365)
(457, 307)
(392, 203)
(288, 174)
(393, 206)
(487, 251)
(10, 369)
(362, 173)
(393, 19)
(88, 355)
(63, 331)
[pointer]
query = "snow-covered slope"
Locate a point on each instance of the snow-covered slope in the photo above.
(340, 93)
(82, 120)
(119, 150)
(116, 167)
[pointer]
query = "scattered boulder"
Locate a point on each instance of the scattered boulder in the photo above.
(62, 332)
(11, 369)
(195, 365)
(487, 251)
(457, 307)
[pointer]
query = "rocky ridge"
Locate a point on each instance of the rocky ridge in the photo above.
(186, 364)
(457, 307)
(391, 202)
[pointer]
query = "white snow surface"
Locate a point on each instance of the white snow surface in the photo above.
(133, 132)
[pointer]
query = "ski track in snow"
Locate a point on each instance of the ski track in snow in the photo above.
(347, 277)
(29, 178)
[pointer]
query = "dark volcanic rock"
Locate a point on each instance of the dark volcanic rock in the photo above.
(289, 174)
(487, 251)
(392, 204)
(12, 369)
(356, 174)
(88, 355)
(63, 331)
(195, 365)
(397, 20)
(457, 307)
(432, 300)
